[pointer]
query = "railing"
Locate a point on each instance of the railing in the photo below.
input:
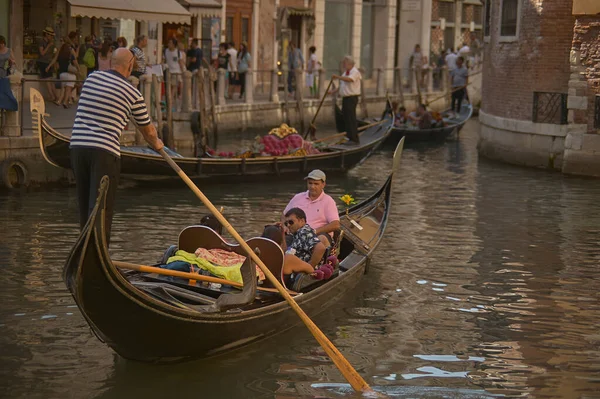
(207, 90)
(549, 108)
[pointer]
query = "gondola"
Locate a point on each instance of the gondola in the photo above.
(149, 318)
(143, 161)
(415, 135)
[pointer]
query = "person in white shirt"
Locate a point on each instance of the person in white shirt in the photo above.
(464, 50)
(451, 59)
(176, 64)
(232, 69)
(349, 90)
(313, 70)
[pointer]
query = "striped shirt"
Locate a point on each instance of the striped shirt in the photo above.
(107, 102)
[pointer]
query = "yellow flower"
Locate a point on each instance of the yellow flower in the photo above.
(347, 199)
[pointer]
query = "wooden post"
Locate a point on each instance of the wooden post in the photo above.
(274, 86)
(202, 112)
(213, 105)
(157, 83)
(429, 80)
(447, 86)
(221, 86)
(300, 96)
(380, 82)
(170, 104)
(363, 103)
(322, 82)
(286, 107)
(186, 100)
(249, 88)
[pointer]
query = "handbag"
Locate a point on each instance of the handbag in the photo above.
(73, 69)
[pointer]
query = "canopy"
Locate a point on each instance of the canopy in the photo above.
(164, 11)
(204, 8)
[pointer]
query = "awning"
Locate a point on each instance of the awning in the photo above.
(204, 8)
(165, 11)
(302, 12)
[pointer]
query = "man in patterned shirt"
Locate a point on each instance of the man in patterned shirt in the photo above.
(305, 243)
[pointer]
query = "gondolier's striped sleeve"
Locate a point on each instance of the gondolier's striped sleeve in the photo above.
(140, 113)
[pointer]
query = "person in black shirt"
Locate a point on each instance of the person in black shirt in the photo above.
(194, 57)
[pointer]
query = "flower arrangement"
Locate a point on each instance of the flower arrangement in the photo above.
(349, 200)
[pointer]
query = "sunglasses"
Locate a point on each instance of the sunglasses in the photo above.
(289, 222)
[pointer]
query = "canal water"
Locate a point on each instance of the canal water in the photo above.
(485, 285)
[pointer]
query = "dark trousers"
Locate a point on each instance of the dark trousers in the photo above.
(349, 114)
(457, 97)
(242, 77)
(291, 80)
(89, 166)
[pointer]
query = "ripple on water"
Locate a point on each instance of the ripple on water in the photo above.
(484, 285)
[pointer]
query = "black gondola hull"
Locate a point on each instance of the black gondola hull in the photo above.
(139, 161)
(139, 326)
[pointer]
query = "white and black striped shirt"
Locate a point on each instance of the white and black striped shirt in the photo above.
(107, 102)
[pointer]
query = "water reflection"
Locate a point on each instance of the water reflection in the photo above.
(484, 285)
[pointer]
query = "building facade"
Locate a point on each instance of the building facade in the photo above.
(540, 84)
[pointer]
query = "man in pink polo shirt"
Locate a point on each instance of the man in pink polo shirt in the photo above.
(321, 211)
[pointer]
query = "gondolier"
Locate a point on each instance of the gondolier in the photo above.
(107, 101)
(349, 89)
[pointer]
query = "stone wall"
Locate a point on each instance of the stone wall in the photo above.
(586, 41)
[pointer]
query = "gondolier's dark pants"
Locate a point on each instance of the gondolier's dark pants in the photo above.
(89, 166)
(457, 97)
(349, 114)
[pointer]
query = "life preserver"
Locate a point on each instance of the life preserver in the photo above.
(14, 174)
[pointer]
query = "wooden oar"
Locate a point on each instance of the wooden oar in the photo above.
(189, 276)
(444, 96)
(351, 375)
(312, 128)
(335, 136)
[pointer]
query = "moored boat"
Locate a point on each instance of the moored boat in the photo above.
(147, 318)
(413, 134)
(138, 161)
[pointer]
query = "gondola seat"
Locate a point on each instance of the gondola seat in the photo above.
(194, 237)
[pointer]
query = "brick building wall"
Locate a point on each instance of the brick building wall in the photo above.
(586, 40)
(537, 61)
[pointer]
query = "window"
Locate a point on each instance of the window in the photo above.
(245, 27)
(509, 18)
(446, 10)
(488, 18)
(229, 30)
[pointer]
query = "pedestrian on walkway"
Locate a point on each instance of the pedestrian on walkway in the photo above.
(232, 69)
(95, 147)
(194, 56)
(137, 49)
(7, 58)
(416, 65)
(295, 62)
(243, 66)
(47, 51)
(349, 89)
(460, 79)
(68, 68)
(313, 70)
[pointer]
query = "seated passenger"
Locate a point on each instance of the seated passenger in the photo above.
(291, 263)
(305, 243)
(320, 208)
(401, 117)
(422, 118)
